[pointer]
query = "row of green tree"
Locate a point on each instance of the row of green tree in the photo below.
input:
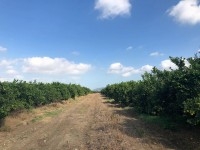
(20, 94)
(173, 93)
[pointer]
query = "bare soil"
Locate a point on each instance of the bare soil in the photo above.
(88, 123)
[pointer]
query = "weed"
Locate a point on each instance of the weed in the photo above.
(47, 114)
(5, 129)
(38, 118)
(2, 122)
(110, 100)
(140, 132)
(164, 122)
(52, 113)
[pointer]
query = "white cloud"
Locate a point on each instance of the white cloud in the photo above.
(3, 49)
(115, 68)
(43, 68)
(198, 50)
(4, 79)
(8, 63)
(113, 8)
(118, 68)
(8, 73)
(156, 54)
(5, 62)
(11, 78)
(167, 64)
(47, 65)
(187, 64)
(146, 68)
(186, 12)
(11, 72)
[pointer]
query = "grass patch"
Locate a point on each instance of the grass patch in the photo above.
(110, 100)
(140, 132)
(38, 118)
(164, 122)
(52, 113)
(5, 129)
(47, 114)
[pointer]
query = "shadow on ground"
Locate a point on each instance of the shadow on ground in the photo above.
(150, 133)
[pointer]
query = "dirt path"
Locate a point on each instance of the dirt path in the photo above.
(89, 123)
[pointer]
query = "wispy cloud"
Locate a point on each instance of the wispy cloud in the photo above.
(186, 12)
(113, 8)
(8, 63)
(76, 53)
(9, 70)
(118, 68)
(156, 54)
(3, 49)
(129, 48)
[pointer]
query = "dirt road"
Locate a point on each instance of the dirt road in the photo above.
(89, 123)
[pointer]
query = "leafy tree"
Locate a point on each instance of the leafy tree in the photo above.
(173, 93)
(18, 95)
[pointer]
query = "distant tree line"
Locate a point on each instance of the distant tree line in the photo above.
(20, 94)
(173, 93)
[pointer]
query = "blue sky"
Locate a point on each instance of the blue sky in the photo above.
(96, 42)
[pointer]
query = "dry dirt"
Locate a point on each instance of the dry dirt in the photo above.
(88, 123)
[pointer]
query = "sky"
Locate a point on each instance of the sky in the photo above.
(95, 42)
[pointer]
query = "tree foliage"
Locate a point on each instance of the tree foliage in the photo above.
(20, 94)
(175, 93)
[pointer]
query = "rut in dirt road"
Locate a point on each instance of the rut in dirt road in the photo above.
(90, 123)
